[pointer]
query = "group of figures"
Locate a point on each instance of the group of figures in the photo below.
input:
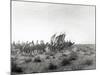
(57, 43)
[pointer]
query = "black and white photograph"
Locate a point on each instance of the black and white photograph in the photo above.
(52, 37)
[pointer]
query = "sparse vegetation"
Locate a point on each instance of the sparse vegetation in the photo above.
(28, 60)
(73, 56)
(65, 62)
(54, 55)
(37, 59)
(52, 66)
(88, 62)
(15, 68)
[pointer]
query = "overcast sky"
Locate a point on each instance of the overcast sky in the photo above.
(39, 21)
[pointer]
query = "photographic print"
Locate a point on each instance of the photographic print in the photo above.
(52, 37)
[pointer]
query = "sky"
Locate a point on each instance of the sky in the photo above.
(39, 21)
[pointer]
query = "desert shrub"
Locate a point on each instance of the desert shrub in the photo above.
(15, 68)
(64, 55)
(47, 57)
(37, 59)
(73, 56)
(87, 62)
(28, 60)
(65, 62)
(52, 66)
